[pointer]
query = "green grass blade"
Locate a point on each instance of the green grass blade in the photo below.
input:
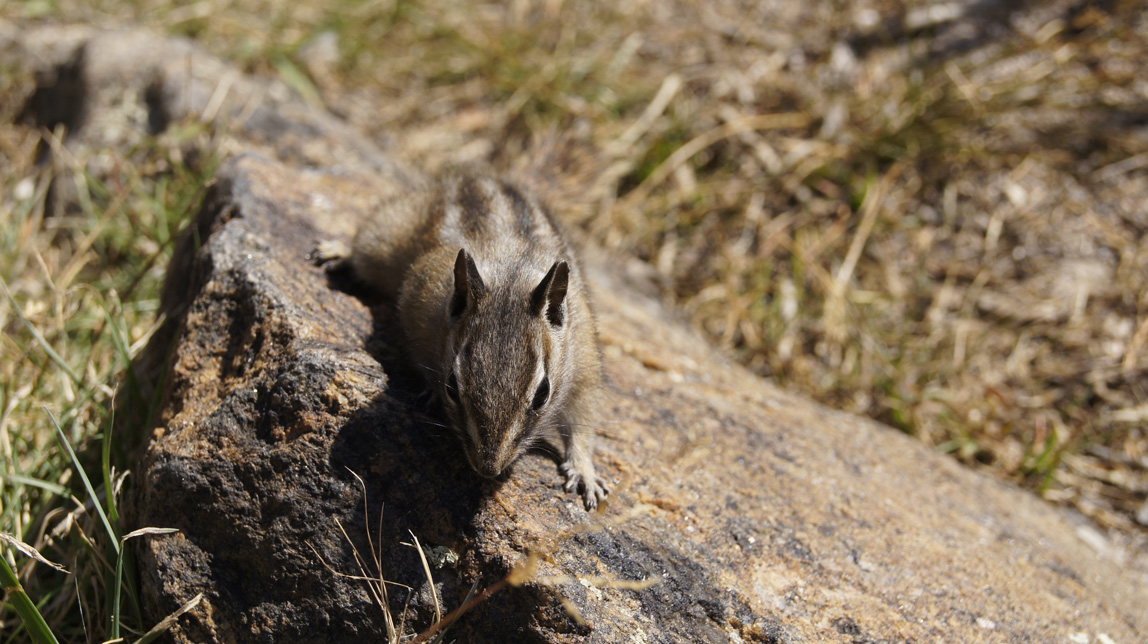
(33, 620)
(20, 479)
(113, 539)
(297, 79)
(114, 633)
(106, 464)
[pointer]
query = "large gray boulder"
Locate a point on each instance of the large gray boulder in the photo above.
(756, 515)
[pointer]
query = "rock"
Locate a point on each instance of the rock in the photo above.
(758, 516)
(293, 456)
(113, 88)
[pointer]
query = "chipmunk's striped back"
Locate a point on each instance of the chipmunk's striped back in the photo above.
(497, 318)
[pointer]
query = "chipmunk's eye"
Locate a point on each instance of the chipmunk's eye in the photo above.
(541, 395)
(452, 390)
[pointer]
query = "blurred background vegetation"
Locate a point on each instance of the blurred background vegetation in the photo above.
(930, 213)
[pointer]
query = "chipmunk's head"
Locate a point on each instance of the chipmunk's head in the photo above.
(507, 361)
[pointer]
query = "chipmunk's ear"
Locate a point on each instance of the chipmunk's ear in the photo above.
(549, 297)
(468, 285)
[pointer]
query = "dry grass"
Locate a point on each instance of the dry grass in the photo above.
(935, 219)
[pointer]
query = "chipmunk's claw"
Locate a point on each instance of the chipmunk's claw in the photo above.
(328, 250)
(585, 482)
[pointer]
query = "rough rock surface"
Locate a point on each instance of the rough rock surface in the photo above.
(760, 517)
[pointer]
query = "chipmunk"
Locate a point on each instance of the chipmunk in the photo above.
(496, 315)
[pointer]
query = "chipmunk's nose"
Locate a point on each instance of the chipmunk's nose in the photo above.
(488, 470)
(485, 466)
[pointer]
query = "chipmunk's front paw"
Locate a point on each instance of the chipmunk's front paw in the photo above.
(328, 250)
(584, 481)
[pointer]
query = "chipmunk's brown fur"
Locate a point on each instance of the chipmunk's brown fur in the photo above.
(496, 316)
